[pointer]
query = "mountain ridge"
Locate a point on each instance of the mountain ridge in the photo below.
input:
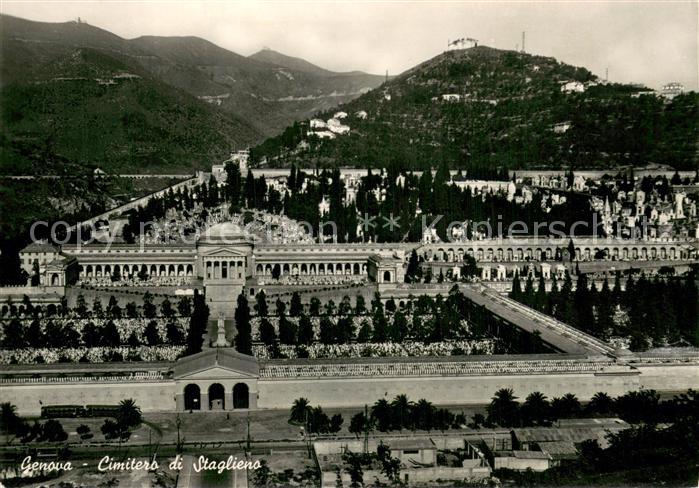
(280, 59)
(483, 107)
(265, 96)
(94, 109)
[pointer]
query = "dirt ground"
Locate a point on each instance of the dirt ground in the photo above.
(203, 433)
(265, 425)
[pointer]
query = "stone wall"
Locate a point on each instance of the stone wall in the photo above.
(154, 396)
(666, 377)
(39, 295)
(125, 295)
(149, 396)
(449, 390)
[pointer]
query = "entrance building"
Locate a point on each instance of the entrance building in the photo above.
(216, 379)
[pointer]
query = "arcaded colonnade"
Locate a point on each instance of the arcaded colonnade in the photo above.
(315, 268)
(214, 396)
(242, 259)
(114, 269)
(487, 252)
(216, 379)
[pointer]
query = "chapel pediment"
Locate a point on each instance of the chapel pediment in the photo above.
(216, 373)
(224, 252)
(219, 363)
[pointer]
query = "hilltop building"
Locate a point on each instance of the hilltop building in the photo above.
(239, 157)
(672, 89)
(573, 87)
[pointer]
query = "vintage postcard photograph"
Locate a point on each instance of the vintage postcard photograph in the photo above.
(390, 243)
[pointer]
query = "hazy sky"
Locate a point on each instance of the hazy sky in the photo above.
(646, 42)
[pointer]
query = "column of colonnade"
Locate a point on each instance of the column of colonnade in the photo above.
(489, 254)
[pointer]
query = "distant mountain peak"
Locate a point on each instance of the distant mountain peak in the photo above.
(269, 55)
(249, 98)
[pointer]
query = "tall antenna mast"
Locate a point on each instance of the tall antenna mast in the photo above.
(606, 74)
(523, 34)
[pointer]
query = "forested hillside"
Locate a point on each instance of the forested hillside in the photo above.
(96, 110)
(483, 107)
(265, 97)
(91, 110)
(74, 97)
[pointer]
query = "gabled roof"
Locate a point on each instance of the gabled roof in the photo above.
(40, 247)
(62, 261)
(407, 444)
(575, 434)
(559, 449)
(531, 455)
(224, 251)
(221, 358)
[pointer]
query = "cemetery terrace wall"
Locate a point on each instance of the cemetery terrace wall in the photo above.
(346, 392)
(442, 381)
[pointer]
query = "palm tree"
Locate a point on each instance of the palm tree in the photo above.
(601, 404)
(565, 407)
(299, 409)
(401, 410)
(360, 424)
(572, 404)
(504, 409)
(424, 414)
(8, 417)
(536, 408)
(129, 414)
(478, 420)
(381, 412)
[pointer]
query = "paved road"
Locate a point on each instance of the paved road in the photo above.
(240, 479)
(185, 478)
(189, 478)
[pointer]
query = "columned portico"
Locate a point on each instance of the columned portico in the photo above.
(386, 270)
(224, 262)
